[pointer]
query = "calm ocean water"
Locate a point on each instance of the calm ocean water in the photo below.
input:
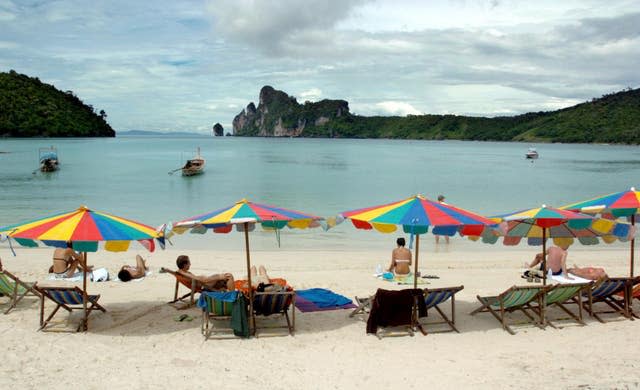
(128, 177)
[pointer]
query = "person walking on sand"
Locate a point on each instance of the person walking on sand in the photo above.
(446, 238)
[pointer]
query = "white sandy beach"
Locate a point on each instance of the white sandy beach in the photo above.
(138, 344)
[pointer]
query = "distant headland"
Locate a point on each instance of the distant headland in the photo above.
(613, 118)
(31, 108)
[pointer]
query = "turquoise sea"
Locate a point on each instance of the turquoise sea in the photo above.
(128, 176)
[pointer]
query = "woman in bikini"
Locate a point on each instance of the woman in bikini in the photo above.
(400, 259)
(128, 272)
(66, 261)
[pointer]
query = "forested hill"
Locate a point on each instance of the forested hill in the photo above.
(31, 108)
(613, 118)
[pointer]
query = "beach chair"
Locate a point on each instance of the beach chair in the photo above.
(437, 296)
(606, 291)
(217, 307)
(634, 293)
(181, 302)
(559, 295)
(364, 306)
(68, 298)
(15, 289)
(514, 298)
(272, 303)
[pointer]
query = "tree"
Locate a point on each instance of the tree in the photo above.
(103, 115)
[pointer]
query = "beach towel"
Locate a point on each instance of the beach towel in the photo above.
(563, 279)
(148, 273)
(402, 280)
(306, 306)
(322, 298)
(395, 308)
(97, 275)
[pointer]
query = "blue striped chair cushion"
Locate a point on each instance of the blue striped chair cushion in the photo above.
(607, 288)
(435, 298)
(68, 297)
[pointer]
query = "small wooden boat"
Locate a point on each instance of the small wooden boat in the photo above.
(48, 158)
(194, 166)
(532, 154)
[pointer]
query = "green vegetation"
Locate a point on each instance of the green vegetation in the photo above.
(613, 118)
(30, 108)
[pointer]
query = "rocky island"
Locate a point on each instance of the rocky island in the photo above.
(613, 118)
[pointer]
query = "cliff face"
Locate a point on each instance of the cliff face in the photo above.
(280, 115)
(31, 108)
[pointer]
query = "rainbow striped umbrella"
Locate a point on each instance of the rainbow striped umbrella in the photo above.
(619, 204)
(543, 222)
(245, 214)
(84, 228)
(415, 215)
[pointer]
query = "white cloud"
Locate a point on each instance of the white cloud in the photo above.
(397, 108)
(311, 94)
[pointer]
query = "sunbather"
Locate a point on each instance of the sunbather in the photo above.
(400, 259)
(556, 261)
(212, 282)
(261, 277)
(591, 273)
(67, 261)
(128, 272)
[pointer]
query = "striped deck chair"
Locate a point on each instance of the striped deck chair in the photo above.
(514, 298)
(605, 291)
(15, 289)
(216, 307)
(634, 293)
(436, 296)
(364, 305)
(559, 295)
(271, 302)
(181, 302)
(68, 298)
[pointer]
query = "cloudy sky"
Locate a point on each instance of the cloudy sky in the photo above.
(184, 65)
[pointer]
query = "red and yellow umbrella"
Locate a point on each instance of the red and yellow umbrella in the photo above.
(84, 228)
(619, 204)
(416, 214)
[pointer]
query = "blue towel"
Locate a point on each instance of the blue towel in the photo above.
(323, 297)
(229, 296)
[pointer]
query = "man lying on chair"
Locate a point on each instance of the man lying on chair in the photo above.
(212, 282)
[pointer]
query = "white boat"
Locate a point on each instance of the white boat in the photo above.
(48, 159)
(532, 154)
(194, 166)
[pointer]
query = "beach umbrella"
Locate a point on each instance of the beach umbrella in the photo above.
(245, 214)
(619, 204)
(84, 228)
(544, 222)
(415, 215)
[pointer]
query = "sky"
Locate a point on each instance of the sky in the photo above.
(186, 65)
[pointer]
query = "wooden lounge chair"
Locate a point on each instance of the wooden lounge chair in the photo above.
(364, 306)
(68, 298)
(606, 291)
(514, 298)
(214, 312)
(271, 302)
(436, 296)
(634, 293)
(15, 289)
(559, 295)
(181, 302)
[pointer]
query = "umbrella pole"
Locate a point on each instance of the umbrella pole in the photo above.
(85, 324)
(246, 244)
(633, 244)
(415, 263)
(544, 275)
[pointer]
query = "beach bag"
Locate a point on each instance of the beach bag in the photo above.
(100, 275)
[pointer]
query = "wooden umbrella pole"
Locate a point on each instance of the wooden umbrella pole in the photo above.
(85, 297)
(633, 244)
(415, 265)
(246, 244)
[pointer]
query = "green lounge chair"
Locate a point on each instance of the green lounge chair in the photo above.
(559, 295)
(15, 289)
(514, 298)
